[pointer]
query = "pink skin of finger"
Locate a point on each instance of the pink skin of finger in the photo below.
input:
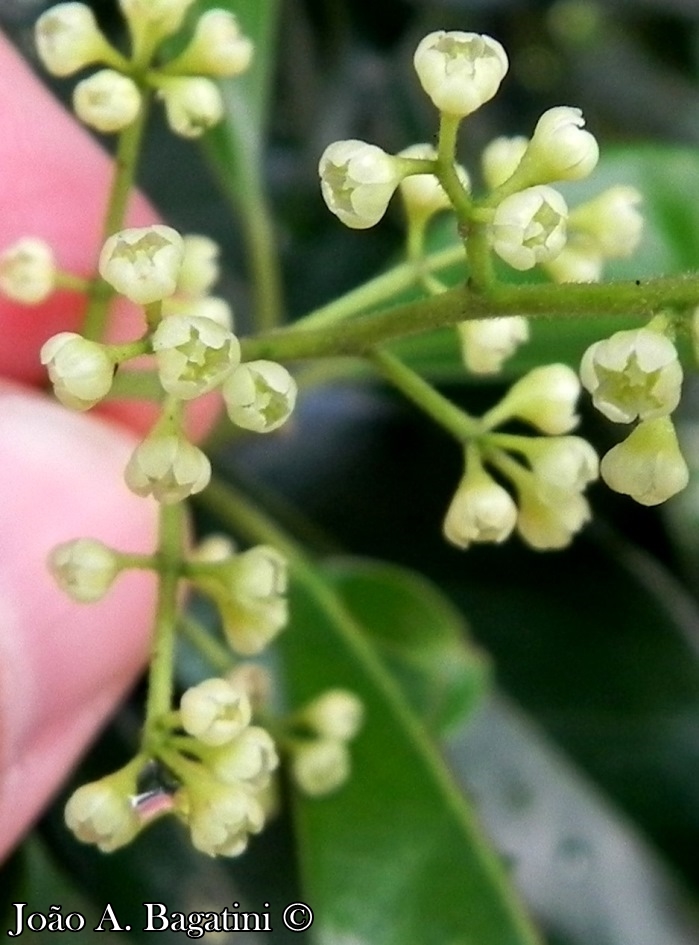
(63, 665)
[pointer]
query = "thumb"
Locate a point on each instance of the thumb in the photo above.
(63, 666)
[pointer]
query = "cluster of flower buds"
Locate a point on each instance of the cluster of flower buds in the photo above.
(633, 376)
(548, 474)
(248, 588)
(320, 756)
(220, 794)
(68, 39)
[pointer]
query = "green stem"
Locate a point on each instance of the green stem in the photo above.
(424, 396)
(446, 168)
(125, 163)
(215, 653)
(160, 681)
(357, 337)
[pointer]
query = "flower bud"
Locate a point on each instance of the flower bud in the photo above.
(422, 194)
(357, 181)
(107, 101)
(481, 510)
(192, 105)
(213, 548)
(220, 816)
(84, 568)
(501, 158)
(320, 766)
(529, 227)
(648, 465)
(103, 813)
(162, 17)
(80, 370)
(611, 221)
(251, 757)
(559, 148)
(549, 515)
(580, 260)
(569, 462)
(260, 396)
(217, 47)
(199, 269)
(460, 71)
(194, 355)
(68, 38)
(27, 271)
(545, 397)
(633, 374)
(215, 711)
(168, 467)
(336, 714)
(487, 343)
(210, 307)
(143, 263)
(255, 680)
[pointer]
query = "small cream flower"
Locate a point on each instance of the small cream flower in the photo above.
(251, 757)
(80, 370)
(84, 568)
(460, 71)
(549, 516)
(194, 355)
(335, 713)
(611, 221)
(545, 397)
(192, 104)
(560, 148)
(634, 374)
(481, 510)
(68, 39)
(487, 343)
(529, 227)
(168, 467)
(161, 17)
(215, 711)
(260, 396)
(357, 181)
(143, 263)
(200, 269)
(569, 462)
(321, 766)
(648, 464)
(580, 260)
(102, 813)
(218, 47)
(107, 101)
(501, 158)
(27, 271)
(220, 817)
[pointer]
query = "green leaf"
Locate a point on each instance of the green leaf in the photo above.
(396, 855)
(419, 635)
(590, 876)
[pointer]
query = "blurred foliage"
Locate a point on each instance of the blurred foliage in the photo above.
(585, 764)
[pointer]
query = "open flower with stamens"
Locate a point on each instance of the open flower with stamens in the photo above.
(260, 396)
(529, 227)
(194, 355)
(143, 263)
(648, 464)
(460, 71)
(634, 374)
